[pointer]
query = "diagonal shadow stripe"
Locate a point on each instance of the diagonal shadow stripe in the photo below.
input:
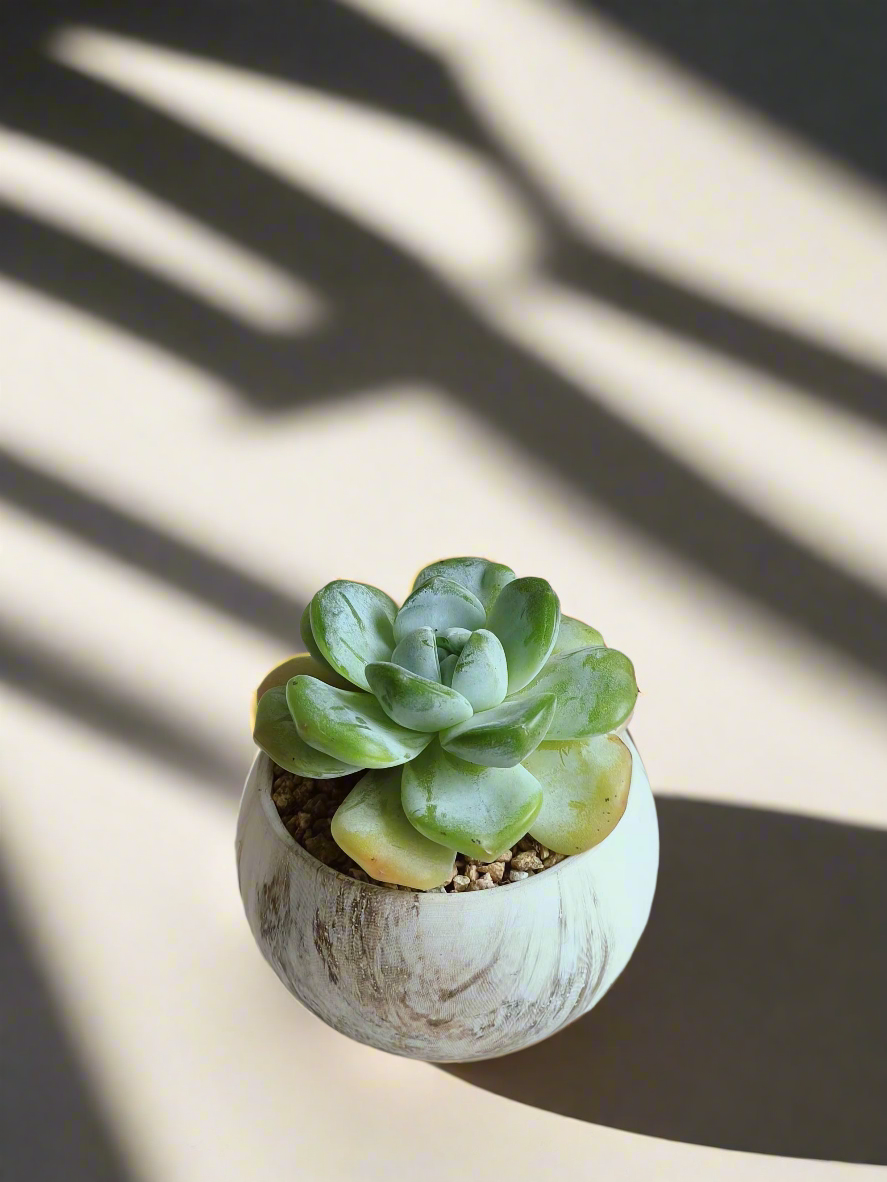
(423, 328)
(34, 669)
(426, 330)
(128, 539)
(276, 371)
(822, 78)
(636, 479)
(829, 374)
(50, 1124)
(60, 105)
(752, 1014)
(65, 107)
(318, 43)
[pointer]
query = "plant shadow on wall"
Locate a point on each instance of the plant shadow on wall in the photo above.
(392, 318)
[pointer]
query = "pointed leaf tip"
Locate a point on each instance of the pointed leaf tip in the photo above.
(574, 634)
(418, 653)
(585, 784)
(373, 830)
(352, 624)
(503, 736)
(595, 688)
(440, 604)
(350, 725)
(275, 732)
(525, 617)
(478, 810)
(414, 701)
(482, 578)
(481, 671)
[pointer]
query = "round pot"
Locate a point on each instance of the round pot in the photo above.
(447, 977)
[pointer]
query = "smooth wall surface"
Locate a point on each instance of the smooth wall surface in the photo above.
(292, 293)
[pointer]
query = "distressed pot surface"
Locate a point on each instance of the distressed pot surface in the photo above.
(447, 978)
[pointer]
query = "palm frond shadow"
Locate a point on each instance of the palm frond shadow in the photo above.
(394, 318)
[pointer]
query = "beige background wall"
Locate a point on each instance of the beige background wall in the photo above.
(119, 784)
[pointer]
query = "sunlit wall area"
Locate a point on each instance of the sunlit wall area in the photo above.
(289, 294)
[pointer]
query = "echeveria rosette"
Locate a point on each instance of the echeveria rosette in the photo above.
(478, 711)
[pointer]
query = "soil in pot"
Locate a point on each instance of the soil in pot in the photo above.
(306, 808)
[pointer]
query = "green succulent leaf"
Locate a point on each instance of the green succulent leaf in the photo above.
(573, 634)
(481, 671)
(418, 653)
(275, 732)
(414, 701)
(352, 624)
(455, 639)
(595, 690)
(585, 784)
(478, 810)
(447, 665)
(372, 829)
(503, 736)
(525, 617)
(440, 604)
(308, 640)
(350, 725)
(483, 578)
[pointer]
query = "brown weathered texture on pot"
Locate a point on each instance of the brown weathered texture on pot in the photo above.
(447, 977)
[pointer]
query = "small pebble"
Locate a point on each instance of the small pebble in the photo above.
(517, 875)
(552, 860)
(472, 872)
(526, 861)
(495, 870)
(504, 857)
(484, 882)
(461, 882)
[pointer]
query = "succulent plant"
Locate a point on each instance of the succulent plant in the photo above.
(476, 710)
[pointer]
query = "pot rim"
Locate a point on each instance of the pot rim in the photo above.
(262, 765)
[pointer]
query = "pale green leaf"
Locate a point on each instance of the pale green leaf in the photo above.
(525, 617)
(350, 725)
(372, 829)
(595, 690)
(447, 665)
(418, 653)
(352, 625)
(481, 672)
(308, 639)
(586, 783)
(573, 634)
(440, 604)
(478, 810)
(275, 732)
(503, 736)
(414, 701)
(454, 639)
(483, 578)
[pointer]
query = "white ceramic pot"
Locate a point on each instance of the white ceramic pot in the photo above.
(447, 977)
